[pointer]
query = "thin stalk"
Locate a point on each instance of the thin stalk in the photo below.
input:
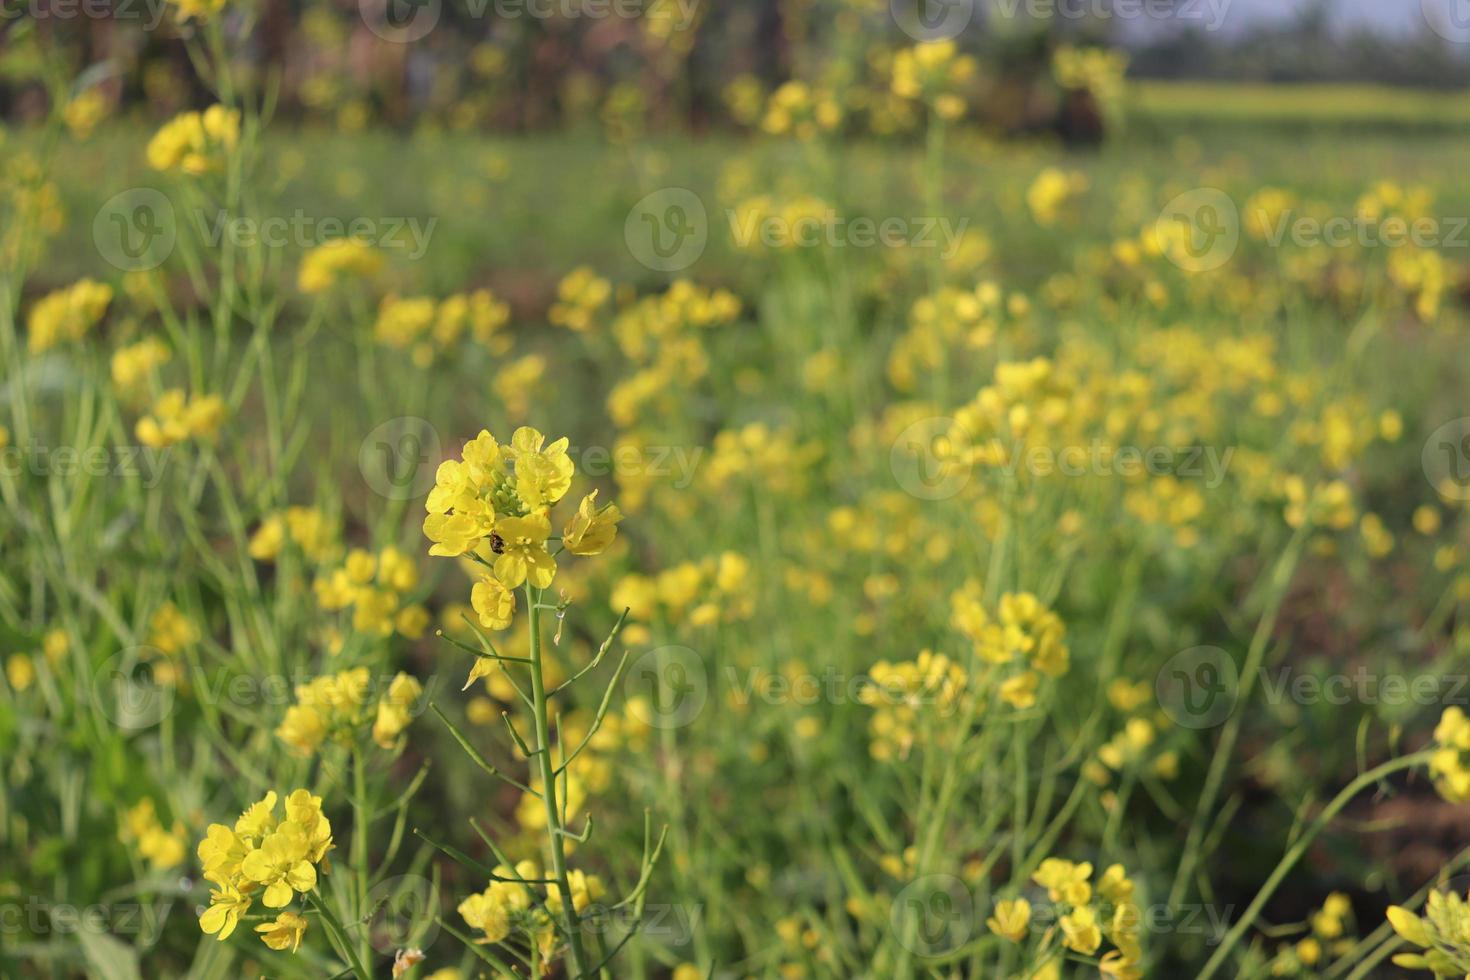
(1294, 854)
(359, 853)
(1281, 577)
(554, 827)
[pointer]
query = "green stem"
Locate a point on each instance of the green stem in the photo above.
(338, 936)
(548, 784)
(1281, 577)
(1298, 849)
(359, 853)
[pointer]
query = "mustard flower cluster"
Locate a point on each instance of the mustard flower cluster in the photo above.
(265, 855)
(307, 528)
(1450, 763)
(1096, 70)
(797, 109)
(702, 593)
(580, 297)
(1023, 639)
(195, 143)
(933, 72)
(161, 847)
(1442, 935)
(905, 695)
(1135, 746)
(518, 901)
(337, 262)
(660, 335)
(66, 314)
(373, 587)
(1330, 938)
(426, 328)
(1087, 915)
(132, 366)
(335, 708)
(494, 504)
(177, 416)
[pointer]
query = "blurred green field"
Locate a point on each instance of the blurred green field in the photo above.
(519, 210)
(805, 837)
(1159, 104)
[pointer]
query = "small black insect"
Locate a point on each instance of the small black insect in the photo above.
(497, 543)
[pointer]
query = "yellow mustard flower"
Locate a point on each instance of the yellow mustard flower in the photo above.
(592, 529)
(1011, 919)
(395, 709)
(285, 932)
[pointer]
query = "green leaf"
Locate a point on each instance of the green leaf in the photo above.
(108, 958)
